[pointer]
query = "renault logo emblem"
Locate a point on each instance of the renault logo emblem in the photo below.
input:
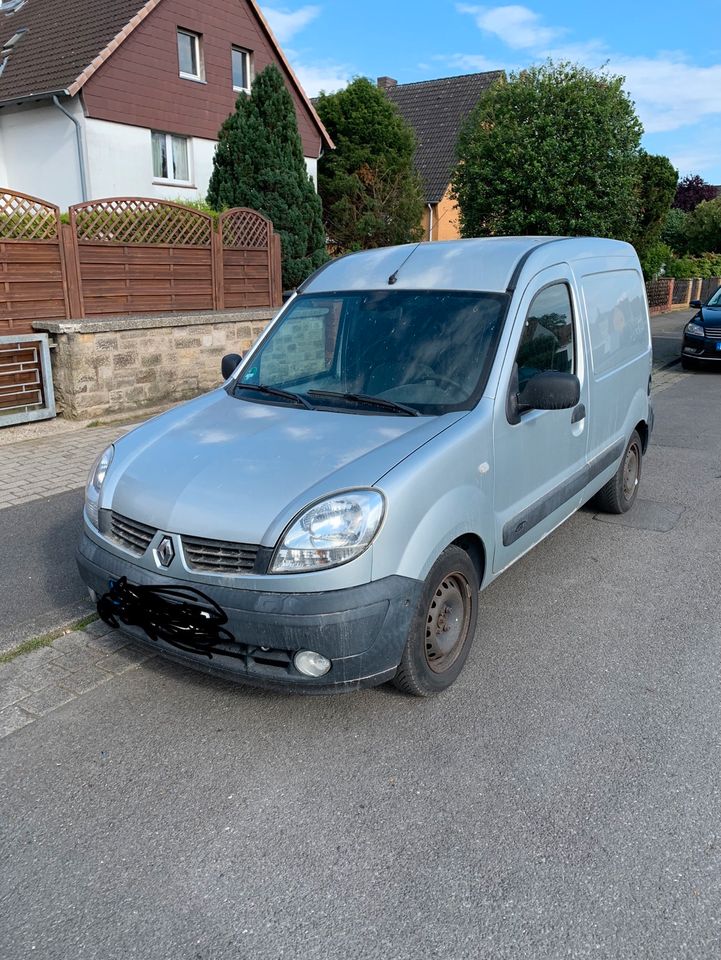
(165, 552)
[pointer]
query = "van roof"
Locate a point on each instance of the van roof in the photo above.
(490, 263)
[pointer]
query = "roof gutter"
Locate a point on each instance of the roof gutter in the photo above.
(81, 152)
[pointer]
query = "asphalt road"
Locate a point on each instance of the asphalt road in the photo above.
(561, 800)
(41, 588)
(667, 334)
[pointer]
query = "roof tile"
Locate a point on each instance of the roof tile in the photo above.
(63, 38)
(436, 110)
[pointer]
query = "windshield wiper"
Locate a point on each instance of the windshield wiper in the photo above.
(275, 392)
(369, 401)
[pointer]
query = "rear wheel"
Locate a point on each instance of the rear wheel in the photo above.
(620, 492)
(443, 627)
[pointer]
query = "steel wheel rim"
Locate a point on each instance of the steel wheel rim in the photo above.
(447, 621)
(631, 471)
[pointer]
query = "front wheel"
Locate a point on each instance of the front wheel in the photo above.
(443, 627)
(619, 494)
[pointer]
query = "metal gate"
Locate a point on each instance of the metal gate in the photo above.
(26, 384)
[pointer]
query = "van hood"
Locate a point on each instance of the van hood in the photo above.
(231, 469)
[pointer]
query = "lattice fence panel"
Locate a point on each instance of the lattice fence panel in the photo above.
(245, 229)
(709, 286)
(657, 292)
(681, 291)
(135, 220)
(26, 218)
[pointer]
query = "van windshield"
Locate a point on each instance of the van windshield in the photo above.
(429, 352)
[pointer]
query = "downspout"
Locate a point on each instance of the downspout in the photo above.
(81, 153)
(430, 221)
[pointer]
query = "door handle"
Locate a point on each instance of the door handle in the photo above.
(578, 414)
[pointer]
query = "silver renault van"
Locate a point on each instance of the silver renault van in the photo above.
(412, 422)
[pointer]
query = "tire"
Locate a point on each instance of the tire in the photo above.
(688, 364)
(619, 494)
(443, 627)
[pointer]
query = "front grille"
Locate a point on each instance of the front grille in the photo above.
(219, 556)
(132, 534)
(713, 332)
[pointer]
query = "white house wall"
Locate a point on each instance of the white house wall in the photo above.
(39, 152)
(120, 159)
(38, 155)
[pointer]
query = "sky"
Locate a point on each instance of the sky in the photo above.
(669, 54)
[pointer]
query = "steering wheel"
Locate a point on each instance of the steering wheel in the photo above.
(440, 380)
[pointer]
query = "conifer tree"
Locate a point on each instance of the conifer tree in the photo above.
(259, 164)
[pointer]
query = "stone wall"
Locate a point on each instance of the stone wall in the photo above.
(127, 364)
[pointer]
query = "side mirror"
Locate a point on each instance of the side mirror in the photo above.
(695, 304)
(551, 391)
(229, 363)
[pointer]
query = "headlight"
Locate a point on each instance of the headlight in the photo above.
(330, 533)
(695, 330)
(95, 483)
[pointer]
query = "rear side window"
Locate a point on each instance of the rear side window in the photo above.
(547, 337)
(616, 310)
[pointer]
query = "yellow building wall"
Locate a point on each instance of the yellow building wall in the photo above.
(445, 219)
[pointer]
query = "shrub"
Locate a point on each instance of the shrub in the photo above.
(655, 260)
(674, 230)
(703, 227)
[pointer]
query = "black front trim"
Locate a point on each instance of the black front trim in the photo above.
(519, 525)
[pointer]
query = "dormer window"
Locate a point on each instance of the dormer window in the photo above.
(190, 56)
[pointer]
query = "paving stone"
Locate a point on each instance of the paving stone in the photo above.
(41, 655)
(86, 679)
(70, 643)
(39, 675)
(125, 659)
(108, 643)
(12, 689)
(79, 659)
(47, 700)
(98, 628)
(12, 719)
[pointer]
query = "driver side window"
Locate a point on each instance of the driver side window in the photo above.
(547, 341)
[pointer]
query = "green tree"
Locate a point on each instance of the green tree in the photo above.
(371, 194)
(703, 227)
(657, 179)
(259, 164)
(552, 150)
(674, 230)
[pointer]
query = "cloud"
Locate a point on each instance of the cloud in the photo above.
(285, 23)
(670, 90)
(517, 26)
(328, 77)
(478, 63)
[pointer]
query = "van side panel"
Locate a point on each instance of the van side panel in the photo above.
(619, 340)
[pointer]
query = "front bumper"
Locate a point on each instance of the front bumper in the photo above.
(701, 348)
(362, 629)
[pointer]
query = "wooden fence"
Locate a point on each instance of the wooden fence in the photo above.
(123, 255)
(130, 255)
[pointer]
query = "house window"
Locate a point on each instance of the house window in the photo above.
(241, 70)
(171, 157)
(190, 58)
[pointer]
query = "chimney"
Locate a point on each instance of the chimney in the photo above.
(385, 83)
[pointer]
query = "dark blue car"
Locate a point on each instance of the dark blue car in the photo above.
(702, 334)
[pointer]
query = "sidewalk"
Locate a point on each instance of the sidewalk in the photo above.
(35, 469)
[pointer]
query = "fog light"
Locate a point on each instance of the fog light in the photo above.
(311, 664)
